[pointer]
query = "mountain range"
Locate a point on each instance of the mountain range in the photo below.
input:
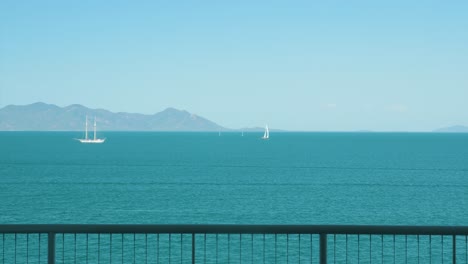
(49, 117)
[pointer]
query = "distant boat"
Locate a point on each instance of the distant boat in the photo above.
(94, 140)
(266, 135)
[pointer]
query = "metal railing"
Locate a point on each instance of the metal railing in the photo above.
(232, 244)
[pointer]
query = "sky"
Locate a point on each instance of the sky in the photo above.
(297, 65)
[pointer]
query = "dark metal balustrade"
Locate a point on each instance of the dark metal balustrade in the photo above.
(232, 244)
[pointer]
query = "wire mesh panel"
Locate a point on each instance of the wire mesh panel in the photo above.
(256, 248)
(396, 249)
(23, 248)
(123, 248)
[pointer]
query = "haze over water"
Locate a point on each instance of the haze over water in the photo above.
(293, 178)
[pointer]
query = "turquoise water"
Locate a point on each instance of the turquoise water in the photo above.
(293, 178)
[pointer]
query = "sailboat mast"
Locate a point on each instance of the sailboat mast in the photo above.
(94, 128)
(86, 130)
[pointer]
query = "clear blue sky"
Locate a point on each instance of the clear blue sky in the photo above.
(301, 65)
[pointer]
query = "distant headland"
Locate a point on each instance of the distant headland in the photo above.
(452, 129)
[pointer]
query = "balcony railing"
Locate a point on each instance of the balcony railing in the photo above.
(232, 244)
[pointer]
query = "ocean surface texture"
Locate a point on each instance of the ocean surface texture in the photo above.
(293, 178)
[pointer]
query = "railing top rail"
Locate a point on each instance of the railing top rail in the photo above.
(234, 229)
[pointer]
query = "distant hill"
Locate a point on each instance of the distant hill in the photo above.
(259, 129)
(49, 117)
(453, 129)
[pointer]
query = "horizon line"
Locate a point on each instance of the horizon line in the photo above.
(226, 129)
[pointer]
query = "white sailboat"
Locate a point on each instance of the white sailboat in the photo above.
(266, 135)
(94, 140)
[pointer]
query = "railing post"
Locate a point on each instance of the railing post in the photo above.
(454, 249)
(323, 248)
(51, 248)
(193, 248)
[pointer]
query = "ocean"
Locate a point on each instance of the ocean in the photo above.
(206, 178)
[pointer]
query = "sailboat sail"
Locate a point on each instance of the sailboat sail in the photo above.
(266, 135)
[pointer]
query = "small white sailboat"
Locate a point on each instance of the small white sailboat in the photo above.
(94, 140)
(266, 135)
